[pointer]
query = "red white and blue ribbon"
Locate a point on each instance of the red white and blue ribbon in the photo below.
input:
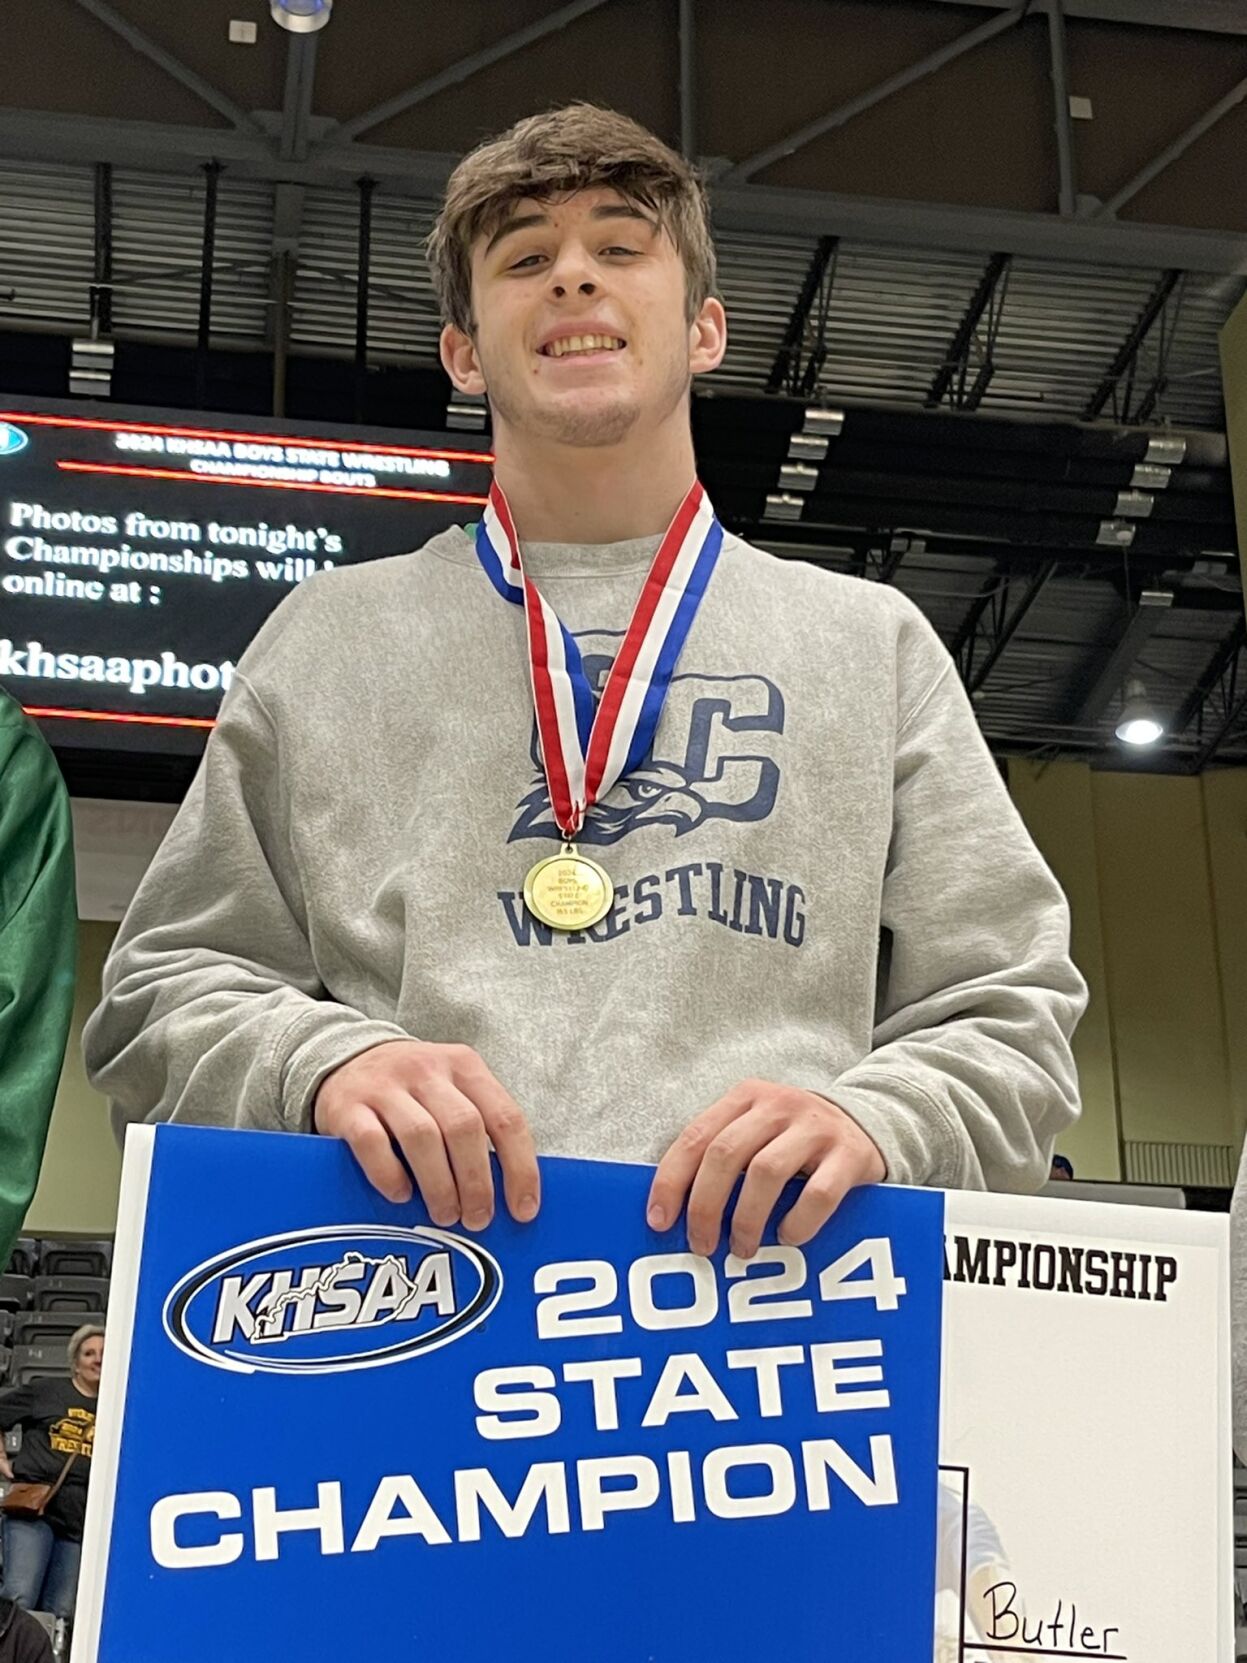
(588, 744)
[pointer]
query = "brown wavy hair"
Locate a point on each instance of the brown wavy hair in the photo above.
(577, 148)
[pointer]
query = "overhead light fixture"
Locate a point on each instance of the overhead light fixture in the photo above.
(301, 17)
(1138, 723)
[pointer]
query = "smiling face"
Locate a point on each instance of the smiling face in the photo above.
(582, 334)
(89, 1362)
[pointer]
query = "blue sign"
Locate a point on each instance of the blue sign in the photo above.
(329, 1429)
(12, 439)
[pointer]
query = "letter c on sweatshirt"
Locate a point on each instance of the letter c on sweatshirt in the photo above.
(169, 1509)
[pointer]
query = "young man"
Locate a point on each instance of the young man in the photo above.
(827, 946)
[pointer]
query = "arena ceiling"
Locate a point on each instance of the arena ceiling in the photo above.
(1009, 300)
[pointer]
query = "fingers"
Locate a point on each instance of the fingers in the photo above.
(466, 1148)
(368, 1139)
(442, 1107)
(510, 1135)
(781, 1160)
(679, 1166)
(419, 1137)
(726, 1157)
(825, 1189)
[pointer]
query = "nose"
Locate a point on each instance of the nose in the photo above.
(573, 272)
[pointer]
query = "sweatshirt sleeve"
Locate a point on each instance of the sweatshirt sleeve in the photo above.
(38, 943)
(212, 1010)
(971, 1077)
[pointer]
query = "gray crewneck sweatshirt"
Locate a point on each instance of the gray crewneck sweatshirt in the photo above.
(820, 878)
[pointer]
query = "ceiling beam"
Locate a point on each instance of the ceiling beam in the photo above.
(465, 68)
(784, 376)
(1144, 621)
(907, 77)
(1233, 716)
(1218, 666)
(173, 66)
(688, 80)
(1058, 58)
(1215, 17)
(83, 140)
(1174, 151)
(1009, 627)
(957, 361)
(296, 110)
(1130, 348)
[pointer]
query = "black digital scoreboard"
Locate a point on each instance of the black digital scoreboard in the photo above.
(140, 551)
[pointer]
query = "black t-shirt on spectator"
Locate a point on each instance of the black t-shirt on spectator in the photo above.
(57, 1421)
(22, 1639)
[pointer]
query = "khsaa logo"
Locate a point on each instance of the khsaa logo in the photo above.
(324, 1301)
(12, 439)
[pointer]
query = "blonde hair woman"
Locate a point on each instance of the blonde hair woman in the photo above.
(57, 1417)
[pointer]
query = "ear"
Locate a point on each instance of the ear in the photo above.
(707, 337)
(459, 360)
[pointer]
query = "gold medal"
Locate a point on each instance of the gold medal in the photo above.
(568, 891)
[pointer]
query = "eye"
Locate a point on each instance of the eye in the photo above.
(617, 248)
(526, 260)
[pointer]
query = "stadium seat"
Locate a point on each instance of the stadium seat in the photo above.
(24, 1259)
(50, 1327)
(5, 1356)
(75, 1258)
(53, 1627)
(16, 1293)
(7, 1319)
(37, 1362)
(70, 1293)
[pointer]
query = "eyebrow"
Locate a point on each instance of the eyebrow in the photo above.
(606, 210)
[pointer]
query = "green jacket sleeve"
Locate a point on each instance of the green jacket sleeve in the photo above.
(38, 941)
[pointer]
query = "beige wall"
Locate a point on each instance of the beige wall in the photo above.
(1056, 803)
(82, 1165)
(1155, 867)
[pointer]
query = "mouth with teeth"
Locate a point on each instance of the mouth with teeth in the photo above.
(573, 345)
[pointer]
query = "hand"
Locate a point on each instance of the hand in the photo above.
(443, 1108)
(771, 1133)
(6, 1466)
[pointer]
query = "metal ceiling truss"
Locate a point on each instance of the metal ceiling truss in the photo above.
(1160, 314)
(1089, 701)
(1218, 666)
(1058, 55)
(741, 172)
(78, 140)
(172, 66)
(1218, 17)
(1173, 151)
(995, 618)
(688, 80)
(298, 150)
(1223, 714)
(801, 357)
(970, 349)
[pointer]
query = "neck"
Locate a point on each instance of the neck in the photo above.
(581, 494)
(87, 1387)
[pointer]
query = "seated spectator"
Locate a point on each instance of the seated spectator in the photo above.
(57, 1418)
(22, 1639)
